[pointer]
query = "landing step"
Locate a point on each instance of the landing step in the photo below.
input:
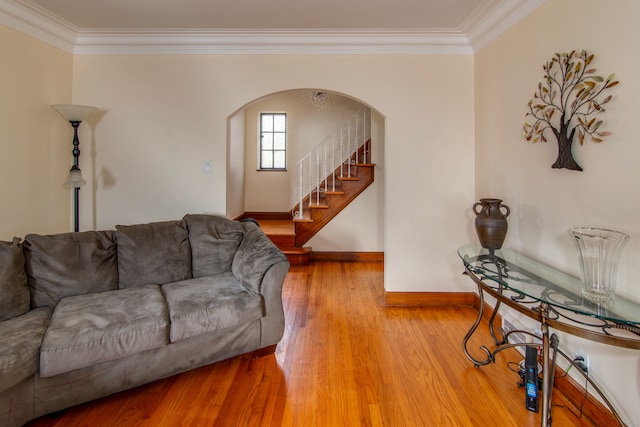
(297, 256)
(281, 232)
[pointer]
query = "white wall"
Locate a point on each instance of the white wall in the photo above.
(546, 202)
(35, 142)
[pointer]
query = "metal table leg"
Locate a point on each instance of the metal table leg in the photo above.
(549, 343)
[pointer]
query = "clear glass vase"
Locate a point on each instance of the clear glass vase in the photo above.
(598, 252)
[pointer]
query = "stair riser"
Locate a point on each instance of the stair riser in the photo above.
(282, 241)
(299, 259)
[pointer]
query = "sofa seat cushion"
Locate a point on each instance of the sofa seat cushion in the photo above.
(20, 341)
(205, 304)
(89, 329)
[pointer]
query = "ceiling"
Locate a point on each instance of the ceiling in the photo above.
(261, 14)
(390, 26)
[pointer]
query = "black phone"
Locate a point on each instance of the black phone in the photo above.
(531, 378)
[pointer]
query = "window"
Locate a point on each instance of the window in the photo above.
(273, 141)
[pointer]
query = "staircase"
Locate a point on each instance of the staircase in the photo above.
(328, 178)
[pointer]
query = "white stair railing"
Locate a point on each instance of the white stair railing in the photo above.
(320, 170)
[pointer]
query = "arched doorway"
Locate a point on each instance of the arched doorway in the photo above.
(309, 121)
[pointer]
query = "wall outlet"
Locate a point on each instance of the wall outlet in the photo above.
(584, 364)
(207, 168)
(538, 332)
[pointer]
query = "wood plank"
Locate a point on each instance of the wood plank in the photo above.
(297, 256)
(265, 216)
(345, 359)
(320, 256)
(428, 299)
(278, 226)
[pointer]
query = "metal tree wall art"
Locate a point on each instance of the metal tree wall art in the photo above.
(566, 103)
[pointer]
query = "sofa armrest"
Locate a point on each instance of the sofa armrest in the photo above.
(262, 267)
(254, 257)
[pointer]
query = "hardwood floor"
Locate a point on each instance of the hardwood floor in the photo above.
(345, 360)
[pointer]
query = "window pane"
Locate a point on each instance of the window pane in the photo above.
(267, 141)
(279, 161)
(267, 122)
(267, 159)
(273, 141)
(280, 122)
(279, 141)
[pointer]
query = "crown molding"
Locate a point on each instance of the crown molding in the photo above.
(485, 24)
(488, 24)
(38, 23)
(271, 42)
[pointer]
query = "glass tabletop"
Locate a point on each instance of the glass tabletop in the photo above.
(543, 283)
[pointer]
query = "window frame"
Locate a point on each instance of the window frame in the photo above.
(273, 132)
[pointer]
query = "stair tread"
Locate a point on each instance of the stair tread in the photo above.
(277, 227)
(295, 249)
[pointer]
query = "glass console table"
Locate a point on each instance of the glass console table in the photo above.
(552, 298)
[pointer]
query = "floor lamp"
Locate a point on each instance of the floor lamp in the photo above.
(75, 114)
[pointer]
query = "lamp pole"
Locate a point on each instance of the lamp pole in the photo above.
(75, 114)
(76, 190)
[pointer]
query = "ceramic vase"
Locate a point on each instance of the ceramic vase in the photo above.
(491, 222)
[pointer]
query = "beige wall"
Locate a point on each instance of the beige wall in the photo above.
(163, 116)
(35, 143)
(235, 165)
(545, 202)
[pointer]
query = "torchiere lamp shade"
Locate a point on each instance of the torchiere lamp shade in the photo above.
(73, 113)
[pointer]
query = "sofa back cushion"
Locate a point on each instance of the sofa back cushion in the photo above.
(214, 241)
(14, 291)
(66, 264)
(155, 253)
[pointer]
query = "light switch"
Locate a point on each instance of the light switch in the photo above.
(208, 167)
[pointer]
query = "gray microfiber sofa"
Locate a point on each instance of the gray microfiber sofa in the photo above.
(84, 315)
